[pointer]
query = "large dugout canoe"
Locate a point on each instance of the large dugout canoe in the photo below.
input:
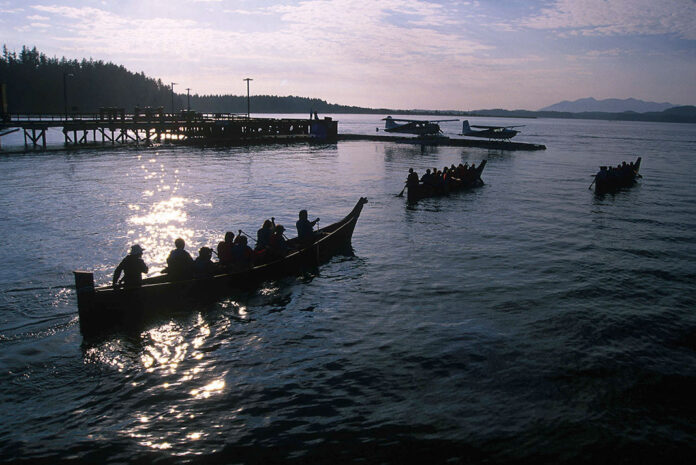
(105, 307)
(422, 191)
(612, 179)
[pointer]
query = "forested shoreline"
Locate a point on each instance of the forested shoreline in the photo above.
(34, 84)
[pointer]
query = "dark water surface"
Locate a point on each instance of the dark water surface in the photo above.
(528, 320)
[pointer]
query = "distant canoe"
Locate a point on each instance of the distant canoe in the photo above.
(422, 191)
(103, 308)
(612, 179)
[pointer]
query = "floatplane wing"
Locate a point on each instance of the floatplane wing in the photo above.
(496, 127)
(389, 118)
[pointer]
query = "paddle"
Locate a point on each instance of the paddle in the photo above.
(401, 194)
(242, 232)
(593, 181)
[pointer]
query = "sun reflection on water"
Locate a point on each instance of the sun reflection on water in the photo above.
(171, 355)
(214, 387)
(166, 350)
(239, 309)
(158, 226)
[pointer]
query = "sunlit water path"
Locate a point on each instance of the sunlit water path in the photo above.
(525, 320)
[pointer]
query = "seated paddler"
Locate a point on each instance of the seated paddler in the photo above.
(179, 262)
(203, 265)
(242, 254)
(278, 247)
(132, 267)
(224, 249)
(263, 235)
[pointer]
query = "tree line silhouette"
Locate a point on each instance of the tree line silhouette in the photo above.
(34, 84)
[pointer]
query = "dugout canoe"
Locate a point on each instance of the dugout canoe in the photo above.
(612, 179)
(105, 307)
(422, 191)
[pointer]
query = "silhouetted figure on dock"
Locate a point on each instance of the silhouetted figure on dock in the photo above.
(132, 267)
(179, 262)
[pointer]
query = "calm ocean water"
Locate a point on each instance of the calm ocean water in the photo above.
(527, 320)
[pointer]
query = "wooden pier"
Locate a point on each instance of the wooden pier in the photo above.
(147, 126)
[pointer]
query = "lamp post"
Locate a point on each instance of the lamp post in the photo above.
(173, 84)
(248, 104)
(65, 93)
(188, 99)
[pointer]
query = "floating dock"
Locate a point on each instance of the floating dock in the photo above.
(447, 142)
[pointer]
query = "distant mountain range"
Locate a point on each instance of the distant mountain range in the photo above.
(685, 114)
(611, 105)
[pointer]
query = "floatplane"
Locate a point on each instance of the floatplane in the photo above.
(423, 128)
(490, 132)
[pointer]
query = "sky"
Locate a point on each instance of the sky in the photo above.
(400, 54)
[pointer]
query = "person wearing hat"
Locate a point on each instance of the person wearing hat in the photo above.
(203, 264)
(132, 267)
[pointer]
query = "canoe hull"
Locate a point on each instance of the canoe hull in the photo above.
(103, 308)
(609, 184)
(423, 191)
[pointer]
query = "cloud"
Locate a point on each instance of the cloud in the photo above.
(392, 53)
(320, 37)
(248, 12)
(618, 17)
(614, 52)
